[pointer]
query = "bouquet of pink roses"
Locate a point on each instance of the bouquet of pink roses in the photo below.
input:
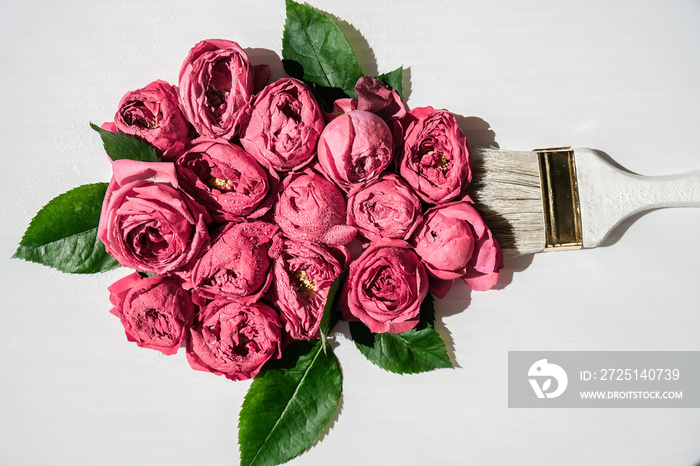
(256, 215)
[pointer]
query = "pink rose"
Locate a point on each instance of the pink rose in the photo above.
(234, 339)
(238, 263)
(454, 242)
(340, 106)
(311, 208)
(156, 312)
(385, 287)
(284, 123)
(303, 274)
(154, 115)
(355, 147)
(147, 223)
(435, 159)
(224, 178)
(376, 97)
(216, 83)
(384, 208)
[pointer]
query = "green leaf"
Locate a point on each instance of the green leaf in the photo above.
(418, 350)
(289, 404)
(314, 41)
(63, 234)
(394, 79)
(330, 311)
(124, 146)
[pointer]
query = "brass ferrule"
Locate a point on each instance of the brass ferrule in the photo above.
(562, 215)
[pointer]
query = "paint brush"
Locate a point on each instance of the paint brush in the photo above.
(564, 198)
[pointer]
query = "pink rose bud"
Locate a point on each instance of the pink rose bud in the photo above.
(311, 208)
(156, 312)
(454, 242)
(238, 263)
(384, 208)
(373, 96)
(435, 159)
(284, 123)
(234, 339)
(154, 115)
(340, 106)
(303, 274)
(385, 288)
(355, 147)
(224, 178)
(147, 222)
(376, 97)
(216, 82)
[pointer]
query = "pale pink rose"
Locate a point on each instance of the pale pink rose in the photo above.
(216, 82)
(454, 242)
(311, 208)
(238, 264)
(384, 208)
(154, 115)
(355, 147)
(147, 222)
(225, 179)
(435, 160)
(156, 312)
(303, 274)
(283, 125)
(385, 287)
(233, 339)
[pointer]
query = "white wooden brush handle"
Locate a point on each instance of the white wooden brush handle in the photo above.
(609, 194)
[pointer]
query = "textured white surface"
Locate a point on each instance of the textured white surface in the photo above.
(617, 76)
(609, 194)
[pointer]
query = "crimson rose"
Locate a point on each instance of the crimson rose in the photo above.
(384, 208)
(154, 114)
(385, 287)
(234, 339)
(237, 265)
(283, 125)
(435, 159)
(224, 178)
(156, 312)
(311, 208)
(454, 242)
(147, 223)
(216, 83)
(303, 274)
(355, 147)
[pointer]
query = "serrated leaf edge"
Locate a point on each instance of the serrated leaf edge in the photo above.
(407, 343)
(152, 153)
(359, 347)
(22, 246)
(349, 91)
(286, 408)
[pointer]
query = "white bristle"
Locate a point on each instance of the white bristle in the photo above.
(506, 187)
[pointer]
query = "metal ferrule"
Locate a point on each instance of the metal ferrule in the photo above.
(562, 215)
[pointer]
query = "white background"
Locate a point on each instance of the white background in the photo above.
(622, 77)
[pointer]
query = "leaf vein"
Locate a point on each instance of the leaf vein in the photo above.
(286, 407)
